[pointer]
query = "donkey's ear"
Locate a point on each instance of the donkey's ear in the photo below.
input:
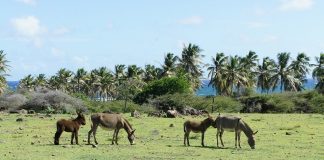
(255, 132)
(133, 131)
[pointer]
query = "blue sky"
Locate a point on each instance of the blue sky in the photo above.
(42, 36)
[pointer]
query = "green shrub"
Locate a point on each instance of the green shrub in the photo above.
(167, 85)
(317, 104)
(117, 106)
(227, 104)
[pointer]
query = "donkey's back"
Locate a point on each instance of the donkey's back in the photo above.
(227, 122)
(107, 120)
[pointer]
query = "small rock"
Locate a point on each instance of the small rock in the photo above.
(32, 143)
(22, 111)
(288, 133)
(66, 146)
(1, 119)
(48, 115)
(84, 140)
(19, 120)
(171, 125)
(53, 154)
(31, 112)
(21, 128)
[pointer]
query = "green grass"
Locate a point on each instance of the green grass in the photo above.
(33, 139)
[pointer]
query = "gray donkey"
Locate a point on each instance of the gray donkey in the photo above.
(236, 124)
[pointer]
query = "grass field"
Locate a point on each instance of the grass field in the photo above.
(280, 136)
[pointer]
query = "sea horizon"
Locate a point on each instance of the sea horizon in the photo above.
(204, 90)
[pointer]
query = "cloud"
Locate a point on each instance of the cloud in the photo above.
(256, 24)
(80, 60)
(57, 52)
(270, 38)
(29, 2)
(194, 20)
(61, 31)
(29, 28)
(296, 5)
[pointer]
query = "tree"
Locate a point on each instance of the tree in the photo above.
(120, 71)
(4, 68)
(40, 81)
(169, 66)
(80, 78)
(191, 61)
(216, 73)
(300, 67)
(264, 74)
(284, 75)
(64, 77)
(27, 82)
(151, 73)
(318, 73)
(134, 72)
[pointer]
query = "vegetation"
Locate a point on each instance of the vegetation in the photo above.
(298, 137)
(4, 67)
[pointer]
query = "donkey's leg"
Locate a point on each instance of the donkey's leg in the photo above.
(221, 137)
(94, 133)
(187, 136)
(57, 137)
(116, 138)
(76, 137)
(89, 134)
(72, 137)
(239, 138)
(217, 134)
(202, 138)
(236, 139)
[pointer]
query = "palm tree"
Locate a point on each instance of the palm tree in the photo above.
(151, 73)
(264, 74)
(300, 67)
(107, 86)
(27, 82)
(318, 73)
(284, 74)
(235, 75)
(216, 73)
(191, 61)
(169, 66)
(80, 77)
(134, 72)
(4, 68)
(64, 77)
(40, 81)
(54, 83)
(120, 71)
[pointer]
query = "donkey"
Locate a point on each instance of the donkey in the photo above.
(234, 124)
(69, 126)
(196, 127)
(111, 121)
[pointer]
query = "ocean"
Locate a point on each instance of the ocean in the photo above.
(205, 90)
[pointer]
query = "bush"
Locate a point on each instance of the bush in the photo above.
(317, 104)
(12, 101)
(167, 85)
(227, 104)
(117, 106)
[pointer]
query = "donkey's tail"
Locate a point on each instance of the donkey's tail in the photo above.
(184, 127)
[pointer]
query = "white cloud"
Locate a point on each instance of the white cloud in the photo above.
(194, 20)
(80, 60)
(29, 2)
(270, 38)
(29, 28)
(61, 31)
(256, 25)
(57, 52)
(296, 5)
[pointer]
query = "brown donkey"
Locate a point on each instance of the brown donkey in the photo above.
(234, 124)
(69, 126)
(196, 127)
(111, 121)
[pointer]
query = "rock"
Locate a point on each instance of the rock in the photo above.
(135, 114)
(171, 113)
(288, 133)
(171, 125)
(20, 128)
(31, 112)
(1, 119)
(67, 146)
(19, 120)
(23, 111)
(48, 115)
(32, 143)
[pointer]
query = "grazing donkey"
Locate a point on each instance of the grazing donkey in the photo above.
(196, 127)
(234, 124)
(111, 121)
(69, 126)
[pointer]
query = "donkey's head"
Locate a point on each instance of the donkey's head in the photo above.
(131, 137)
(251, 140)
(81, 118)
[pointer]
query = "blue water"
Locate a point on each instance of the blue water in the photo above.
(206, 90)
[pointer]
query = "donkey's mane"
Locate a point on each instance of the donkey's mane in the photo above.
(247, 129)
(130, 126)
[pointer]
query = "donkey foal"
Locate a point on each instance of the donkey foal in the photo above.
(196, 127)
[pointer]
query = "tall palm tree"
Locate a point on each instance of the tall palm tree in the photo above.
(235, 76)
(169, 66)
(134, 72)
(191, 61)
(318, 73)
(107, 86)
(27, 82)
(80, 77)
(4, 68)
(300, 67)
(120, 71)
(40, 81)
(216, 73)
(284, 75)
(151, 73)
(64, 78)
(264, 74)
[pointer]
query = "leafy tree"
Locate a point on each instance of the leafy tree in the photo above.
(318, 73)
(216, 73)
(4, 68)
(169, 66)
